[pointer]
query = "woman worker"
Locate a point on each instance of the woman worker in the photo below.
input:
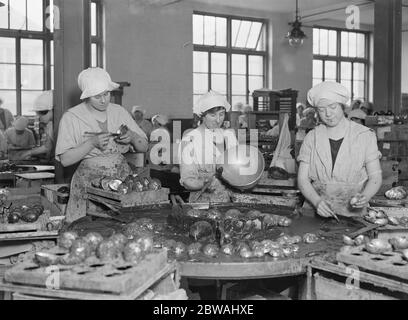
(201, 147)
(338, 153)
(85, 136)
(43, 107)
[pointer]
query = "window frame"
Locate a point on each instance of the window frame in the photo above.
(98, 38)
(46, 36)
(229, 51)
(338, 58)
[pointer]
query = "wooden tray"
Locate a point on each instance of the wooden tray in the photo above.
(114, 277)
(389, 263)
(133, 198)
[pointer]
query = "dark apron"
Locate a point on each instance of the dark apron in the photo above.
(112, 165)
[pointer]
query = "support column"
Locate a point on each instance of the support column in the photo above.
(72, 47)
(387, 55)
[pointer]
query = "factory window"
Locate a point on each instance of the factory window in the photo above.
(26, 50)
(230, 56)
(96, 34)
(342, 56)
(26, 61)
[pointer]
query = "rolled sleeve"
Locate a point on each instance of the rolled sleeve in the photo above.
(371, 147)
(306, 148)
(66, 138)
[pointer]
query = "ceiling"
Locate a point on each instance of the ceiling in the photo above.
(310, 10)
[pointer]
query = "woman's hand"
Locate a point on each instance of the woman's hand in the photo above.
(359, 201)
(125, 138)
(100, 141)
(323, 209)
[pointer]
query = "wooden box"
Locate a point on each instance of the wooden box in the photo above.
(130, 199)
(53, 200)
(115, 278)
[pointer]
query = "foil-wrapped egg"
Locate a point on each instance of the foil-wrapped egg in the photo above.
(310, 238)
(227, 249)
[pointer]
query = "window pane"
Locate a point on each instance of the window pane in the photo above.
(219, 83)
(352, 44)
(262, 40)
(94, 55)
(317, 69)
(32, 77)
(200, 61)
(219, 63)
(254, 34)
(330, 70)
(316, 40)
(7, 50)
(18, 14)
(237, 98)
(332, 43)
(360, 45)
(209, 30)
(52, 52)
(35, 15)
(27, 101)
(316, 81)
(346, 71)
(31, 51)
(9, 100)
(7, 76)
(323, 41)
(243, 33)
(255, 83)
(358, 87)
(52, 77)
(198, 31)
(347, 84)
(200, 83)
(255, 65)
(4, 16)
(344, 44)
(93, 19)
(238, 85)
(358, 71)
(221, 32)
(235, 24)
(238, 63)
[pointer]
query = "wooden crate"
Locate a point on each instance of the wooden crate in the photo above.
(113, 278)
(389, 264)
(53, 200)
(28, 231)
(164, 283)
(131, 199)
(336, 281)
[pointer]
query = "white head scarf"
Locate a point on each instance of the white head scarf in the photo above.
(161, 119)
(326, 93)
(138, 108)
(210, 100)
(44, 101)
(94, 81)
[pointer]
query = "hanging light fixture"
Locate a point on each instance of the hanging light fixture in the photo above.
(296, 35)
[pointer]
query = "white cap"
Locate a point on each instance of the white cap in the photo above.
(138, 108)
(161, 119)
(210, 100)
(44, 101)
(94, 81)
(327, 92)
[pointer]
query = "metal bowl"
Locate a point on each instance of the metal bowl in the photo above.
(242, 166)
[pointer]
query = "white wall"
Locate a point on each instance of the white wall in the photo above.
(152, 50)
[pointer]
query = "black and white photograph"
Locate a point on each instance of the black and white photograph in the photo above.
(207, 153)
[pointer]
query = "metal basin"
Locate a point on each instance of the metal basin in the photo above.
(242, 166)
